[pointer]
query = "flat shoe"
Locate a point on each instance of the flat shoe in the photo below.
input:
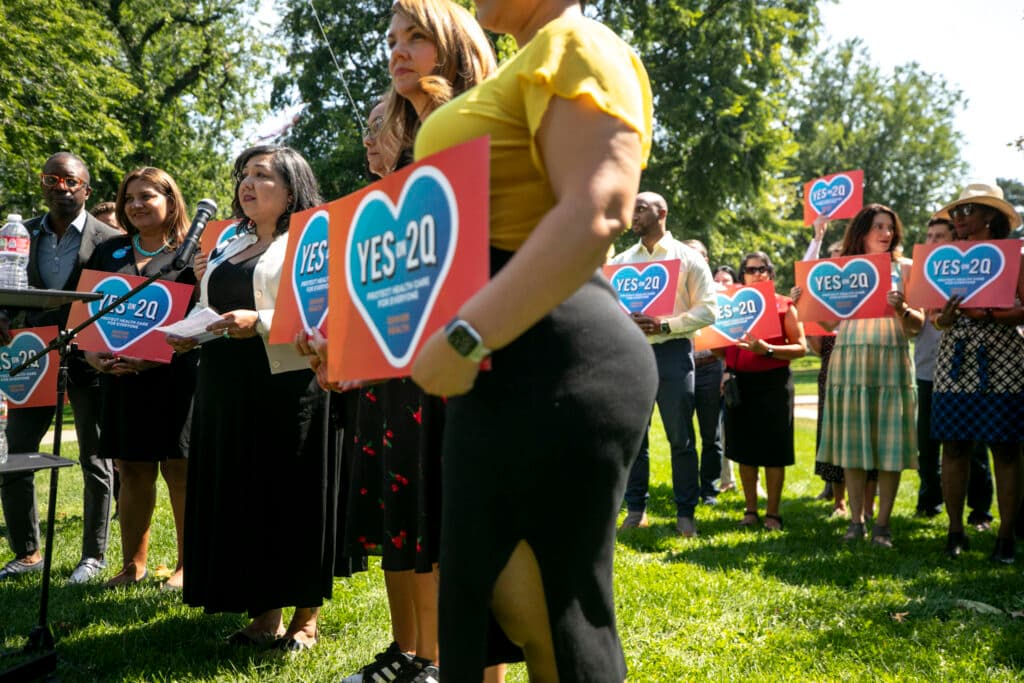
(263, 640)
(773, 522)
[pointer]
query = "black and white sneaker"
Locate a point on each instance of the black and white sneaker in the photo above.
(384, 668)
(419, 671)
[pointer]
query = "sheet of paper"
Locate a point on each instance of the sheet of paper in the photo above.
(194, 325)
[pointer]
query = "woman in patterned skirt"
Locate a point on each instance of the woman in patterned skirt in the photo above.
(871, 401)
(979, 379)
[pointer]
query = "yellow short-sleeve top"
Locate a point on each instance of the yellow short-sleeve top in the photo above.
(567, 58)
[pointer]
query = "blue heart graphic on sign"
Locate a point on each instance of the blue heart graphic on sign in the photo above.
(637, 289)
(827, 197)
(738, 313)
(227, 233)
(19, 389)
(843, 290)
(133, 319)
(965, 273)
(397, 259)
(309, 272)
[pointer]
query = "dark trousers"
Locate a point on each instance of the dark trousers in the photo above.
(929, 494)
(676, 405)
(708, 399)
(25, 430)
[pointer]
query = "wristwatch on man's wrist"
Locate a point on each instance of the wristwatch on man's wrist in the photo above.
(665, 327)
(466, 341)
(769, 352)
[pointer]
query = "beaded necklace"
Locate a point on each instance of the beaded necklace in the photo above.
(150, 254)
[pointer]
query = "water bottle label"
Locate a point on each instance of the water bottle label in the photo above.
(15, 245)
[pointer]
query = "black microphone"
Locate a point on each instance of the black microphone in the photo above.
(204, 211)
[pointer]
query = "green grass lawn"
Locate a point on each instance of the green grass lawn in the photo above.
(729, 605)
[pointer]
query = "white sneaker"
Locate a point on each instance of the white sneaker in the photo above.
(87, 570)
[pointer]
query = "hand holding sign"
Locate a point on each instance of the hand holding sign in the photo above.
(409, 250)
(839, 195)
(744, 312)
(129, 329)
(844, 288)
(647, 288)
(981, 274)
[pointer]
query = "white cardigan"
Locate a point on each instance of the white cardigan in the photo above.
(265, 279)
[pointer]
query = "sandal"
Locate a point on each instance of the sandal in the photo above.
(773, 522)
(750, 518)
(854, 532)
(880, 536)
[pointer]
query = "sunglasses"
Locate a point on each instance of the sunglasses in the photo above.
(372, 131)
(751, 270)
(964, 210)
(70, 183)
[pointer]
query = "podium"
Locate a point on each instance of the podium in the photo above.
(40, 640)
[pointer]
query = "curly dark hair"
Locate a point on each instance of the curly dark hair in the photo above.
(298, 176)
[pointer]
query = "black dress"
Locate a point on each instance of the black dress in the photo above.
(262, 491)
(394, 500)
(145, 417)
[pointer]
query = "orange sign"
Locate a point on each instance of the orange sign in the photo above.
(984, 273)
(408, 251)
(129, 329)
(844, 288)
(742, 310)
(36, 385)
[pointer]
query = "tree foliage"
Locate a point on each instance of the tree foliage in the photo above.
(125, 83)
(328, 131)
(897, 127)
(721, 72)
(58, 90)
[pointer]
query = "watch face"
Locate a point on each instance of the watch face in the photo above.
(461, 340)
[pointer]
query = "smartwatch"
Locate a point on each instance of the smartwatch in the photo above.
(465, 340)
(665, 328)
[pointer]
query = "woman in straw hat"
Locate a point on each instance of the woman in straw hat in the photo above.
(979, 378)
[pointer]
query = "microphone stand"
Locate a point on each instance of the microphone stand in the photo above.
(41, 638)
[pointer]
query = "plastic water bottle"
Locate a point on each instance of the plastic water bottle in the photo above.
(3, 429)
(14, 244)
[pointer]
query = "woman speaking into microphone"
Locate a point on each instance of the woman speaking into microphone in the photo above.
(262, 491)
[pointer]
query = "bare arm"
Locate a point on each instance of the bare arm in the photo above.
(593, 164)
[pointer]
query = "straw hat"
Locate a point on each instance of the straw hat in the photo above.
(986, 195)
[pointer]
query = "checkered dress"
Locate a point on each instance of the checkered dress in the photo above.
(871, 399)
(979, 383)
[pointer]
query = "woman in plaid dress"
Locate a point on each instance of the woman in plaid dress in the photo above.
(871, 401)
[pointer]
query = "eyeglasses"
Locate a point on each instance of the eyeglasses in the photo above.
(751, 270)
(70, 183)
(964, 210)
(372, 131)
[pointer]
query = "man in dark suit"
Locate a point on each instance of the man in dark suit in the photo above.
(62, 241)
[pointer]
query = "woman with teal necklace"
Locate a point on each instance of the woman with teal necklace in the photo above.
(146, 410)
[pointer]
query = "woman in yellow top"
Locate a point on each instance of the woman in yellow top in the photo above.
(557, 420)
